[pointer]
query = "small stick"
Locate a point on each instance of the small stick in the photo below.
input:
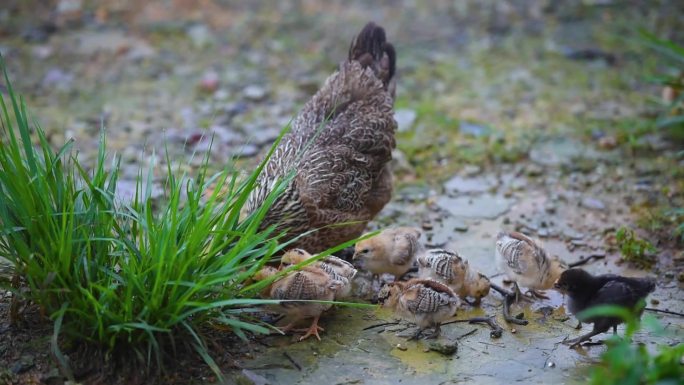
(379, 325)
(466, 334)
(586, 260)
(496, 330)
(508, 300)
(663, 311)
(289, 357)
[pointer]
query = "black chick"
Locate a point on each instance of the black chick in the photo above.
(586, 291)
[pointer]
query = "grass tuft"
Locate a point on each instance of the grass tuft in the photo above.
(124, 276)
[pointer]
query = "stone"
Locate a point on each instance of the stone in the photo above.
(445, 347)
(23, 364)
(254, 92)
(459, 184)
(405, 119)
(593, 204)
(485, 206)
(200, 35)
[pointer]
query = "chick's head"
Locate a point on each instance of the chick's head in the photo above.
(368, 248)
(572, 281)
(388, 296)
(481, 286)
(265, 272)
(293, 257)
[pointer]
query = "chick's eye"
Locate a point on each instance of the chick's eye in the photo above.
(365, 251)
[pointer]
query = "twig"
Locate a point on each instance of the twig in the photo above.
(508, 300)
(289, 357)
(466, 334)
(379, 325)
(586, 260)
(663, 311)
(495, 332)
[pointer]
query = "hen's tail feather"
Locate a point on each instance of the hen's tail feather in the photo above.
(370, 48)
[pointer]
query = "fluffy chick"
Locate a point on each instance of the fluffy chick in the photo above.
(585, 291)
(426, 302)
(526, 263)
(392, 251)
(336, 268)
(310, 284)
(454, 271)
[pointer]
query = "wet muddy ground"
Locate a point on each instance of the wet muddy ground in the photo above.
(512, 115)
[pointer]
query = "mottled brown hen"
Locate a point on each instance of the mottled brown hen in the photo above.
(338, 148)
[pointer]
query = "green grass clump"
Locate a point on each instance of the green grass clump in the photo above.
(634, 249)
(135, 276)
(627, 363)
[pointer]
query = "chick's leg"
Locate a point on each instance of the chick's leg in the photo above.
(518, 294)
(434, 334)
(312, 330)
(537, 294)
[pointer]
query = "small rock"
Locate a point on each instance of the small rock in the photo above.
(607, 142)
(471, 170)
(52, 377)
(248, 377)
(460, 226)
(446, 347)
(473, 129)
(405, 119)
(254, 92)
(654, 301)
(200, 35)
(209, 82)
(534, 170)
(514, 330)
(401, 347)
(56, 78)
(247, 151)
(550, 364)
(550, 208)
(23, 364)
(427, 225)
(593, 204)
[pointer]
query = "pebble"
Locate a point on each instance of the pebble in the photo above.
(24, 363)
(446, 347)
(405, 119)
(200, 35)
(551, 364)
(401, 347)
(254, 92)
(654, 301)
(209, 82)
(593, 204)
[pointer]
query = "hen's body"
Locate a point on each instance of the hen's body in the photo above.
(338, 149)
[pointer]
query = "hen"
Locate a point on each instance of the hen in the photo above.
(339, 148)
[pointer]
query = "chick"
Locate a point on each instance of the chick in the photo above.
(392, 251)
(336, 268)
(526, 263)
(450, 269)
(585, 291)
(426, 302)
(309, 284)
